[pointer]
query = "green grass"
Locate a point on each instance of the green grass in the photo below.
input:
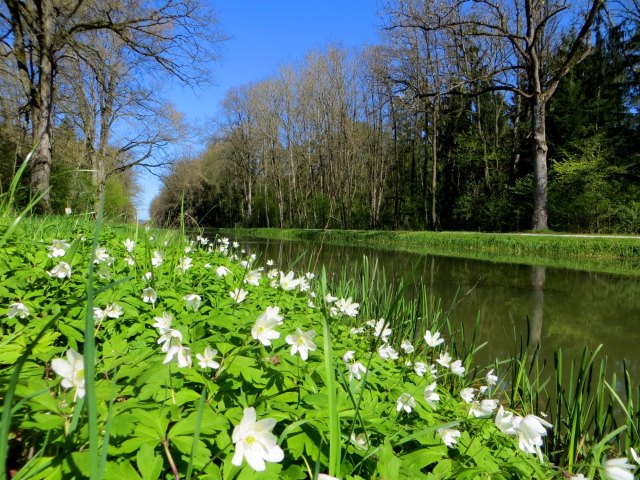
(601, 254)
(143, 419)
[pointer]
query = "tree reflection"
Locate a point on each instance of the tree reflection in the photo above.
(538, 279)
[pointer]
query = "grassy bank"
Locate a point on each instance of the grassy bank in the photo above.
(603, 254)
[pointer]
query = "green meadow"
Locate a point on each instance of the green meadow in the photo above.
(130, 352)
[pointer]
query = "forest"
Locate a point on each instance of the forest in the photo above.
(488, 116)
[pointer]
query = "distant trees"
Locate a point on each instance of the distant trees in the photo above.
(87, 58)
(477, 117)
(515, 46)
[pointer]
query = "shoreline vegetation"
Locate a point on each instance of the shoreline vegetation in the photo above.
(143, 353)
(614, 254)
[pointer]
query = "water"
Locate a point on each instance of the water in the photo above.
(555, 308)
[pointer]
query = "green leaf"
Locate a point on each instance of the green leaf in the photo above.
(388, 463)
(149, 464)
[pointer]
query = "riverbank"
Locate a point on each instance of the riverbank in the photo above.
(608, 254)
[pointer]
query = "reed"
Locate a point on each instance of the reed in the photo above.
(590, 413)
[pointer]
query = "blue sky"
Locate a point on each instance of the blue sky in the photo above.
(262, 36)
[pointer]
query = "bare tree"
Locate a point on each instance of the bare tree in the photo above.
(520, 43)
(174, 37)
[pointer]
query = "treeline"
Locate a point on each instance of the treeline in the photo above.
(80, 94)
(451, 123)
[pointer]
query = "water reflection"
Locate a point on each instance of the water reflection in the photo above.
(562, 308)
(538, 278)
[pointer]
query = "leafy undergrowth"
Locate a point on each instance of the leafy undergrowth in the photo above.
(213, 364)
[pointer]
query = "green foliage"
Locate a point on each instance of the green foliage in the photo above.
(584, 187)
(151, 419)
(118, 200)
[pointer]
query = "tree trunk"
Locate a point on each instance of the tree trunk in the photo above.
(41, 108)
(539, 153)
(434, 162)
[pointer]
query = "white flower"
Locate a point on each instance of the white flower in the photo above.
(163, 323)
(222, 271)
(507, 422)
(457, 368)
(483, 408)
(129, 261)
(184, 264)
(381, 330)
(269, 263)
(58, 248)
(324, 476)
(98, 314)
(634, 455)
(62, 270)
(67, 211)
(255, 442)
(71, 370)
(102, 256)
(303, 285)
(301, 342)
(129, 245)
(405, 402)
(287, 282)
(387, 352)
(330, 298)
(406, 346)
(420, 368)
(147, 277)
(444, 359)
(356, 330)
(449, 436)
(348, 356)
(467, 394)
(19, 309)
(207, 358)
(359, 441)
(491, 378)
(253, 278)
(347, 307)
(430, 395)
(157, 258)
(433, 340)
(618, 469)
(113, 310)
(355, 370)
(193, 301)
(578, 476)
(263, 328)
(530, 433)
(149, 295)
(239, 294)
(170, 339)
(181, 354)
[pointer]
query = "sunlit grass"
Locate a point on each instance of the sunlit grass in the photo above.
(152, 410)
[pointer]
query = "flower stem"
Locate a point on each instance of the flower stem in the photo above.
(174, 469)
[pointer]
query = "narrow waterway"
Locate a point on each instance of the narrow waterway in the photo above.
(554, 308)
